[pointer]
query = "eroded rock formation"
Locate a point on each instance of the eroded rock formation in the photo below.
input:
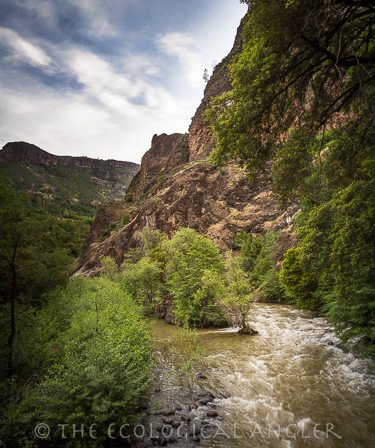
(177, 186)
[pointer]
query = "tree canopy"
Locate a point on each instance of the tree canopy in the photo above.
(307, 69)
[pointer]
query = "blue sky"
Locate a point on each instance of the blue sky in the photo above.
(101, 77)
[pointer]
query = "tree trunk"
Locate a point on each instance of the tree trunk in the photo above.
(243, 320)
(12, 320)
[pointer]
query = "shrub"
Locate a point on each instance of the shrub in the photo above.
(112, 226)
(143, 281)
(238, 296)
(259, 260)
(161, 178)
(155, 201)
(102, 359)
(148, 193)
(126, 218)
(129, 197)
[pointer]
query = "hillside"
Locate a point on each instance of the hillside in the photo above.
(177, 186)
(64, 184)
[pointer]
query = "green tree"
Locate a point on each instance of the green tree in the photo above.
(189, 255)
(238, 298)
(204, 307)
(259, 260)
(306, 67)
(92, 355)
(143, 281)
(30, 263)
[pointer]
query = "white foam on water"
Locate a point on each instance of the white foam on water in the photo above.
(289, 375)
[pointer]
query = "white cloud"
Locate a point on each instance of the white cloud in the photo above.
(99, 121)
(139, 64)
(116, 90)
(24, 50)
(129, 91)
(183, 47)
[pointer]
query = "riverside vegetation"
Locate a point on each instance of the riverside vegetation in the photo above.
(81, 350)
(302, 103)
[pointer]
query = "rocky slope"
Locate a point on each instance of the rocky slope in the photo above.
(177, 186)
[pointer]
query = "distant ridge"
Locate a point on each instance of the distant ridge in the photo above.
(65, 185)
(23, 152)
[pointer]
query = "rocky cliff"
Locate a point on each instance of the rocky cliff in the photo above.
(200, 141)
(177, 186)
(23, 152)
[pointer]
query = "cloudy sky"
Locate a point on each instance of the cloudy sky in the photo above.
(101, 77)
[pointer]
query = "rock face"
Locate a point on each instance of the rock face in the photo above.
(27, 153)
(200, 141)
(177, 186)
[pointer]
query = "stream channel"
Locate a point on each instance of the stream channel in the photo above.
(288, 386)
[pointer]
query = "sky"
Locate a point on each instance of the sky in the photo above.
(100, 77)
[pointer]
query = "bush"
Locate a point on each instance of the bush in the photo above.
(237, 299)
(129, 197)
(143, 282)
(101, 349)
(258, 259)
(161, 178)
(112, 226)
(148, 194)
(126, 218)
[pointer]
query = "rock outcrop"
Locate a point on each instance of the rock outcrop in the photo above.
(177, 186)
(23, 152)
(200, 140)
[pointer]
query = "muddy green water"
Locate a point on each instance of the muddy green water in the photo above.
(286, 387)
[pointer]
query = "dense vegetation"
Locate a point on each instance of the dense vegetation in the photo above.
(83, 358)
(303, 97)
(82, 351)
(208, 288)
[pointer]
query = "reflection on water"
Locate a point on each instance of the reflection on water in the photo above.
(286, 387)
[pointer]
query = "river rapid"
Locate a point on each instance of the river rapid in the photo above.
(288, 386)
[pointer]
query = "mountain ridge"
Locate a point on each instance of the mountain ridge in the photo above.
(64, 184)
(23, 152)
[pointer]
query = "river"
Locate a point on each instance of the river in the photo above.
(288, 386)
